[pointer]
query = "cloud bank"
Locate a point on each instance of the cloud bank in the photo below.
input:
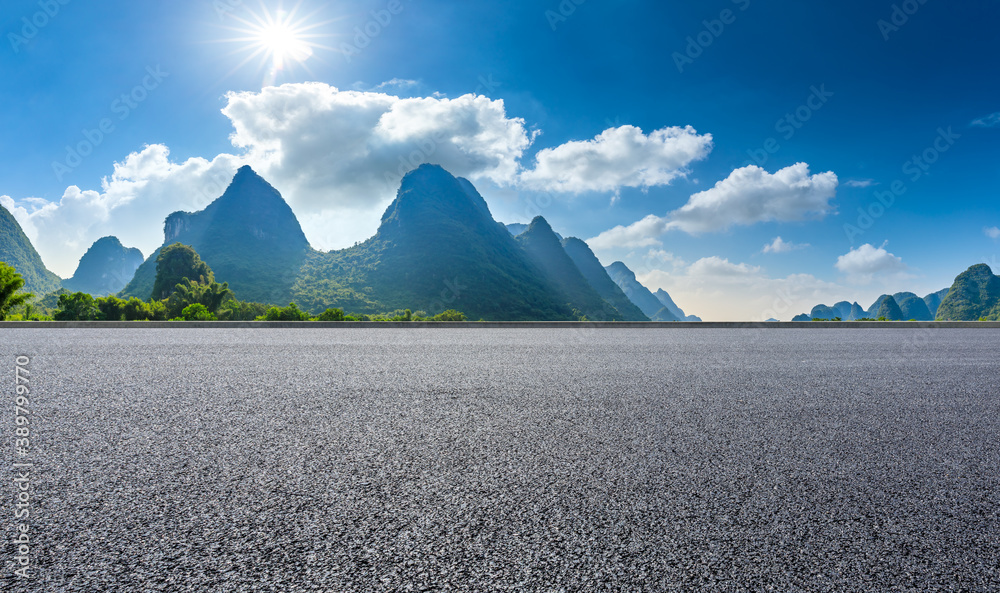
(750, 195)
(865, 263)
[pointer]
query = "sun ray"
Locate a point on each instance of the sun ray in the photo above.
(282, 39)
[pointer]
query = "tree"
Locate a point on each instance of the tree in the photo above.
(449, 315)
(10, 283)
(234, 310)
(197, 312)
(331, 315)
(78, 306)
(189, 292)
(289, 313)
(177, 263)
(112, 308)
(136, 310)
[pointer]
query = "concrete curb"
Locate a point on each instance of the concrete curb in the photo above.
(497, 324)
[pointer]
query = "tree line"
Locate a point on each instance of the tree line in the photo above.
(184, 290)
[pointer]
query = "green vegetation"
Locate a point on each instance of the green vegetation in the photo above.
(11, 296)
(197, 312)
(437, 248)
(289, 313)
(249, 236)
(174, 265)
(975, 295)
(78, 306)
(210, 295)
(17, 252)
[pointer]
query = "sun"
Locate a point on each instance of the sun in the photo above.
(280, 39)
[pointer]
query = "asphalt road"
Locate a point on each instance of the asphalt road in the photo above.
(506, 460)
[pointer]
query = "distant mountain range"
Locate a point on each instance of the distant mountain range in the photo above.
(437, 248)
(974, 295)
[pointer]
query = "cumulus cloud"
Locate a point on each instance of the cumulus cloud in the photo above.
(990, 121)
(717, 266)
(350, 149)
(863, 264)
(618, 157)
(643, 233)
(779, 245)
(749, 195)
(992, 232)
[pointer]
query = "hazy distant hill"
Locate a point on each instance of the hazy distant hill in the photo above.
(934, 299)
(105, 269)
(598, 278)
(664, 298)
(639, 294)
(438, 247)
(974, 295)
(17, 251)
(249, 237)
(545, 251)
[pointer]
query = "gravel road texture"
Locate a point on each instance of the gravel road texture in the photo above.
(506, 460)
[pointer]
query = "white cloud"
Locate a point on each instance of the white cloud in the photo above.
(749, 195)
(719, 267)
(779, 245)
(643, 233)
(707, 287)
(618, 157)
(992, 232)
(990, 121)
(863, 264)
(399, 83)
(860, 182)
(349, 148)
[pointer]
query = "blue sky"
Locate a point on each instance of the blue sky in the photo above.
(616, 121)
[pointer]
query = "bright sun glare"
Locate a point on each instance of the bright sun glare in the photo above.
(278, 40)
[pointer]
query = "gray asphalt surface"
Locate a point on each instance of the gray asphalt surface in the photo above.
(508, 460)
